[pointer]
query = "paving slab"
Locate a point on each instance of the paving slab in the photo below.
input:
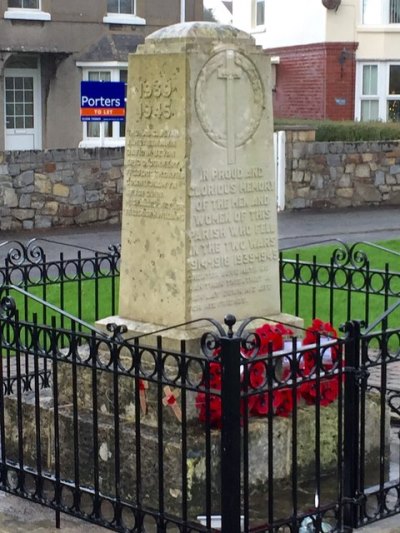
(389, 525)
(20, 516)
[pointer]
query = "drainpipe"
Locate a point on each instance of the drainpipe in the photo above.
(183, 10)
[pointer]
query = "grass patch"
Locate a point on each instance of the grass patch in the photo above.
(334, 293)
(88, 300)
(345, 289)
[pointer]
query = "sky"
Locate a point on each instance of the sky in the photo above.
(210, 3)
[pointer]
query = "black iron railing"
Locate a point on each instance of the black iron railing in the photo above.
(345, 287)
(136, 436)
(86, 283)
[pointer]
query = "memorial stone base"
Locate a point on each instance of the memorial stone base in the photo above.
(148, 445)
(190, 333)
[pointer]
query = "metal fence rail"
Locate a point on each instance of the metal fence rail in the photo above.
(87, 285)
(334, 290)
(137, 437)
(89, 280)
(237, 434)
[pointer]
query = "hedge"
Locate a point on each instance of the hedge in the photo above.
(346, 130)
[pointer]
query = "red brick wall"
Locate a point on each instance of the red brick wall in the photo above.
(312, 83)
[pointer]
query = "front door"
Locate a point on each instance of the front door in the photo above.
(22, 109)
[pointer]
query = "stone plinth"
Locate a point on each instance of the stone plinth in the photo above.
(199, 233)
(172, 337)
(195, 479)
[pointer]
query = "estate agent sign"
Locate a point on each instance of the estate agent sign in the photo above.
(102, 101)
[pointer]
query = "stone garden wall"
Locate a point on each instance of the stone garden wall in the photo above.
(82, 186)
(340, 174)
(60, 188)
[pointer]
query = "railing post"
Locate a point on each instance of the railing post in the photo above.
(351, 472)
(230, 434)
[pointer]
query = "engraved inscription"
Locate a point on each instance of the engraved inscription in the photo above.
(153, 169)
(155, 99)
(233, 239)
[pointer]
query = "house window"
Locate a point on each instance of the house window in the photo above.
(126, 7)
(393, 100)
(24, 4)
(394, 12)
(369, 96)
(260, 13)
(122, 12)
(104, 133)
(25, 9)
(378, 91)
(378, 12)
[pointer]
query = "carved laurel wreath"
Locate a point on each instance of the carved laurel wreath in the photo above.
(203, 113)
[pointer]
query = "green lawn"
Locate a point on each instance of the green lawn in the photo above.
(90, 300)
(338, 305)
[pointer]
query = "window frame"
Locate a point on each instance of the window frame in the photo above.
(255, 6)
(383, 96)
(115, 140)
(384, 14)
(392, 97)
(124, 18)
(369, 97)
(260, 3)
(133, 4)
(27, 13)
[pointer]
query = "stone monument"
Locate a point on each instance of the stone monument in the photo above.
(199, 239)
(199, 230)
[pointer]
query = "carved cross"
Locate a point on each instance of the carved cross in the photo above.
(230, 73)
(143, 386)
(170, 401)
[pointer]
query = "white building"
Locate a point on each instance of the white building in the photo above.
(353, 44)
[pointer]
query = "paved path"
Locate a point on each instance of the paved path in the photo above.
(20, 516)
(350, 225)
(294, 229)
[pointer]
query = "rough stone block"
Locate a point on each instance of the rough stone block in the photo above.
(50, 208)
(25, 179)
(50, 167)
(87, 216)
(43, 222)
(345, 192)
(23, 214)
(10, 197)
(299, 203)
(394, 169)
(345, 181)
(25, 201)
(77, 195)
(42, 183)
(297, 176)
(93, 196)
(363, 171)
(61, 190)
(334, 160)
(367, 193)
